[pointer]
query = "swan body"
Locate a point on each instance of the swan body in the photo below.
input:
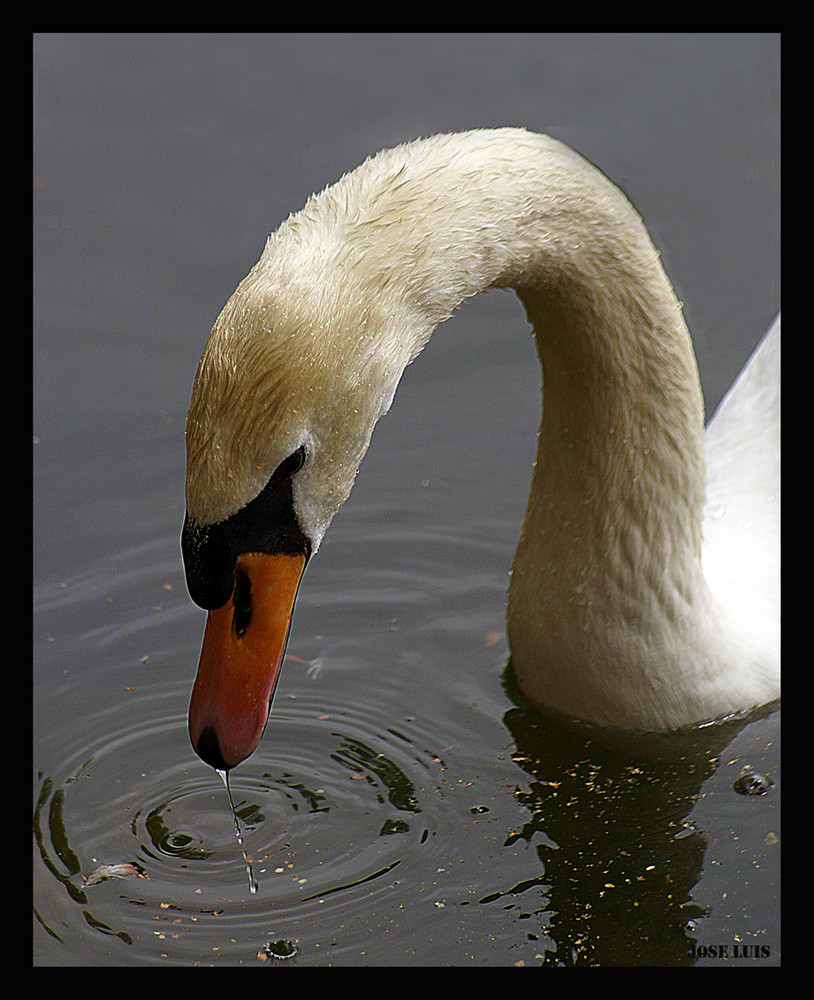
(626, 606)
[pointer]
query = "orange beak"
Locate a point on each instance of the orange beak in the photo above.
(242, 654)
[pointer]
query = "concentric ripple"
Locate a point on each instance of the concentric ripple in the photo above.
(329, 811)
(353, 810)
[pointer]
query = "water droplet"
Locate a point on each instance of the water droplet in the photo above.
(224, 775)
(281, 949)
(717, 510)
(752, 783)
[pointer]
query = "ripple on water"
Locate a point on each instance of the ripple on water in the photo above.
(329, 809)
(354, 810)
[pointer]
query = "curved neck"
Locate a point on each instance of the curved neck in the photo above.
(395, 246)
(620, 470)
(608, 606)
(608, 564)
(618, 488)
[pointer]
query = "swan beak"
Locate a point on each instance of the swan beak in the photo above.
(243, 649)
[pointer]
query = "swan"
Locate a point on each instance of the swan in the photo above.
(639, 598)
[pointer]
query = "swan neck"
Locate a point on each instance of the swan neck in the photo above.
(619, 479)
(622, 422)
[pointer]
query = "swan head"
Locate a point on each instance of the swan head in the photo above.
(284, 402)
(307, 353)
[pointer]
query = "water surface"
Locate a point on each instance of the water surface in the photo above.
(404, 807)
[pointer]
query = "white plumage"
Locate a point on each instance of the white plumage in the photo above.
(614, 614)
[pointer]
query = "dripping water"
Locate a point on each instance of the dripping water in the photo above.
(224, 775)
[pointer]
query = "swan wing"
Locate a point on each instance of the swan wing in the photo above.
(741, 552)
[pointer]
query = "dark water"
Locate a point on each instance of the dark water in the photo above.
(403, 807)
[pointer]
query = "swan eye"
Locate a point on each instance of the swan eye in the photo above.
(291, 465)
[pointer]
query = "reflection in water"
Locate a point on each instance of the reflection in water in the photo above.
(50, 808)
(166, 840)
(50, 804)
(111, 398)
(609, 821)
(175, 837)
(372, 845)
(379, 771)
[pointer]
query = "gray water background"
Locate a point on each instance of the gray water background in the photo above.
(407, 811)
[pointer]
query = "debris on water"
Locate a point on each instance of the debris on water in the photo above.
(123, 870)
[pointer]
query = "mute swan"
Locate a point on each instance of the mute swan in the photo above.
(615, 615)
